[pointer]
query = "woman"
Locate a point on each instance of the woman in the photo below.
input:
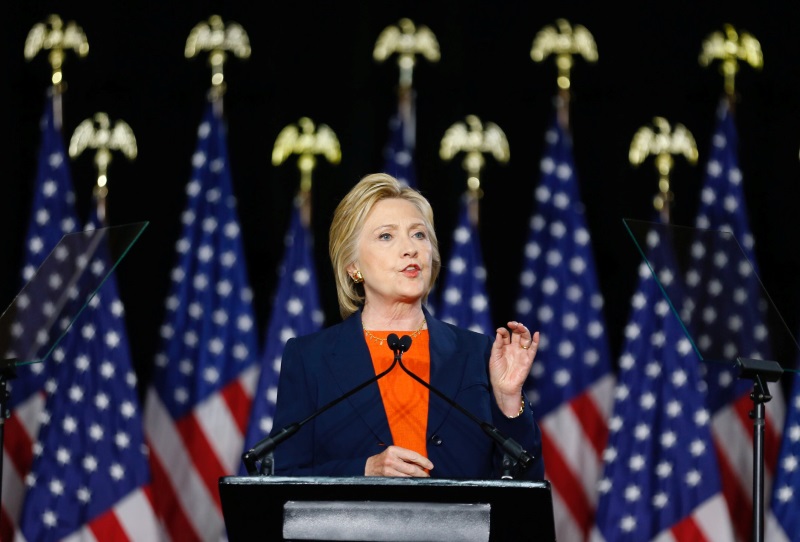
(386, 259)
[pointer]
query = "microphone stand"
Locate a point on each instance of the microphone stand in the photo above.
(267, 445)
(515, 459)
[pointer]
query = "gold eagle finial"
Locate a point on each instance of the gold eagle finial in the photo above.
(306, 140)
(474, 138)
(407, 40)
(663, 142)
(97, 133)
(730, 47)
(218, 39)
(53, 35)
(564, 41)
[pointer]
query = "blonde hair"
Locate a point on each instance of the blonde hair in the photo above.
(348, 221)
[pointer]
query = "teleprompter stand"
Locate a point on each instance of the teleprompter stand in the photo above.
(760, 372)
(43, 311)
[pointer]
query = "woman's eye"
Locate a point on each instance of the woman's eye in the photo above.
(420, 235)
(385, 236)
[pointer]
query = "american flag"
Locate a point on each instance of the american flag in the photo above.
(399, 152)
(463, 300)
(296, 311)
(661, 480)
(90, 475)
(52, 215)
(572, 379)
(728, 320)
(198, 404)
(783, 516)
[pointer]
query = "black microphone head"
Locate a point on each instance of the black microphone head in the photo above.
(393, 341)
(405, 343)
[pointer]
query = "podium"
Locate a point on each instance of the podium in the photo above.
(383, 509)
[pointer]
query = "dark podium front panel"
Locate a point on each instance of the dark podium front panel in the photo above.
(376, 508)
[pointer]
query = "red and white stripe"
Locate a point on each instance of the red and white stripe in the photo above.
(573, 439)
(703, 525)
(19, 435)
(130, 520)
(189, 455)
(732, 430)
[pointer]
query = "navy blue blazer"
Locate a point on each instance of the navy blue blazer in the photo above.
(321, 367)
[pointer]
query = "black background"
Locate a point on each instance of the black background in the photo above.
(315, 59)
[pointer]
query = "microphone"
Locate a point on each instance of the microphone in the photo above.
(515, 458)
(265, 446)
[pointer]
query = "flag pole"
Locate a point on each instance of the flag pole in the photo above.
(564, 41)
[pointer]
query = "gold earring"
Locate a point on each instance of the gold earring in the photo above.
(358, 278)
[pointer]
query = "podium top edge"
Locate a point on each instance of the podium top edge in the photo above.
(376, 481)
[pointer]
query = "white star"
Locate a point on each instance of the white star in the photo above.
(244, 323)
(220, 317)
(697, 447)
(664, 469)
(216, 346)
(49, 518)
(56, 487)
(561, 377)
(211, 375)
(101, 401)
(679, 378)
(82, 363)
(127, 409)
(96, 432)
(294, 306)
(637, 462)
(62, 456)
(642, 431)
(122, 440)
(75, 394)
(785, 494)
(69, 425)
(627, 524)
(789, 463)
(660, 499)
(90, 463)
(181, 395)
(84, 495)
(632, 493)
(577, 265)
(116, 471)
(668, 439)
(693, 478)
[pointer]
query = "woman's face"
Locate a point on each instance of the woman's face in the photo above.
(394, 253)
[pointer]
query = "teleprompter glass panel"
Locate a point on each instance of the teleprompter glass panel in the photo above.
(40, 315)
(712, 286)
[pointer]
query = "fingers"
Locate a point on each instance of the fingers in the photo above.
(397, 461)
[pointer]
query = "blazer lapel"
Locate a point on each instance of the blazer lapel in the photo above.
(350, 364)
(447, 371)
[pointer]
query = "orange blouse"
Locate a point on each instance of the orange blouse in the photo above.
(405, 399)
